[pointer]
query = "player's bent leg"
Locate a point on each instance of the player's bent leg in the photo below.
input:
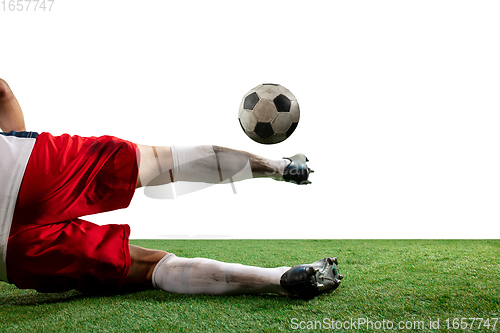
(215, 164)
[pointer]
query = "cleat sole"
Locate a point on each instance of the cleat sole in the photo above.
(310, 280)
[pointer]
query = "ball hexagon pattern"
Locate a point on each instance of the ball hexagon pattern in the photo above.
(269, 113)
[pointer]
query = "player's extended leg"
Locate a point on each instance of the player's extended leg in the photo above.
(174, 274)
(162, 270)
(211, 277)
(214, 164)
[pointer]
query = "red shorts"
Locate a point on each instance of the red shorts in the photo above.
(50, 249)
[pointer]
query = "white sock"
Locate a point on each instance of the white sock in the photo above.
(212, 277)
(203, 164)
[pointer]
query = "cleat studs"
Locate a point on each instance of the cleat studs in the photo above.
(316, 270)
(307, 160)
(335, 260)
(341, 277)
(310, 270)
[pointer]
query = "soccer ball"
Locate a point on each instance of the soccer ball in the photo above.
(269, 113)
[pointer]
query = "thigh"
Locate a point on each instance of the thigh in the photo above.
(70, 176)
(74, 254)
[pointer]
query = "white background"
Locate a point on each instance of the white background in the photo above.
(400, 107)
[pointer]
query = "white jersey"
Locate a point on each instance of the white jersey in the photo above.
(15, 150)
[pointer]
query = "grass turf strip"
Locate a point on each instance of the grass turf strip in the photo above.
(385, 280)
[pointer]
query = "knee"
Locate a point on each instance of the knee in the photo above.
(4, 89)
(156, 165)
(143, 263)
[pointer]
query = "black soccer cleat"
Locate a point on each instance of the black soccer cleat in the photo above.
(297, 171)
(310, 280)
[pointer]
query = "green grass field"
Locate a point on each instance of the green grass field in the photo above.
(408, 282)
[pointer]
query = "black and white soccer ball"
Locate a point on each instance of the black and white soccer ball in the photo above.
(269, 113)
